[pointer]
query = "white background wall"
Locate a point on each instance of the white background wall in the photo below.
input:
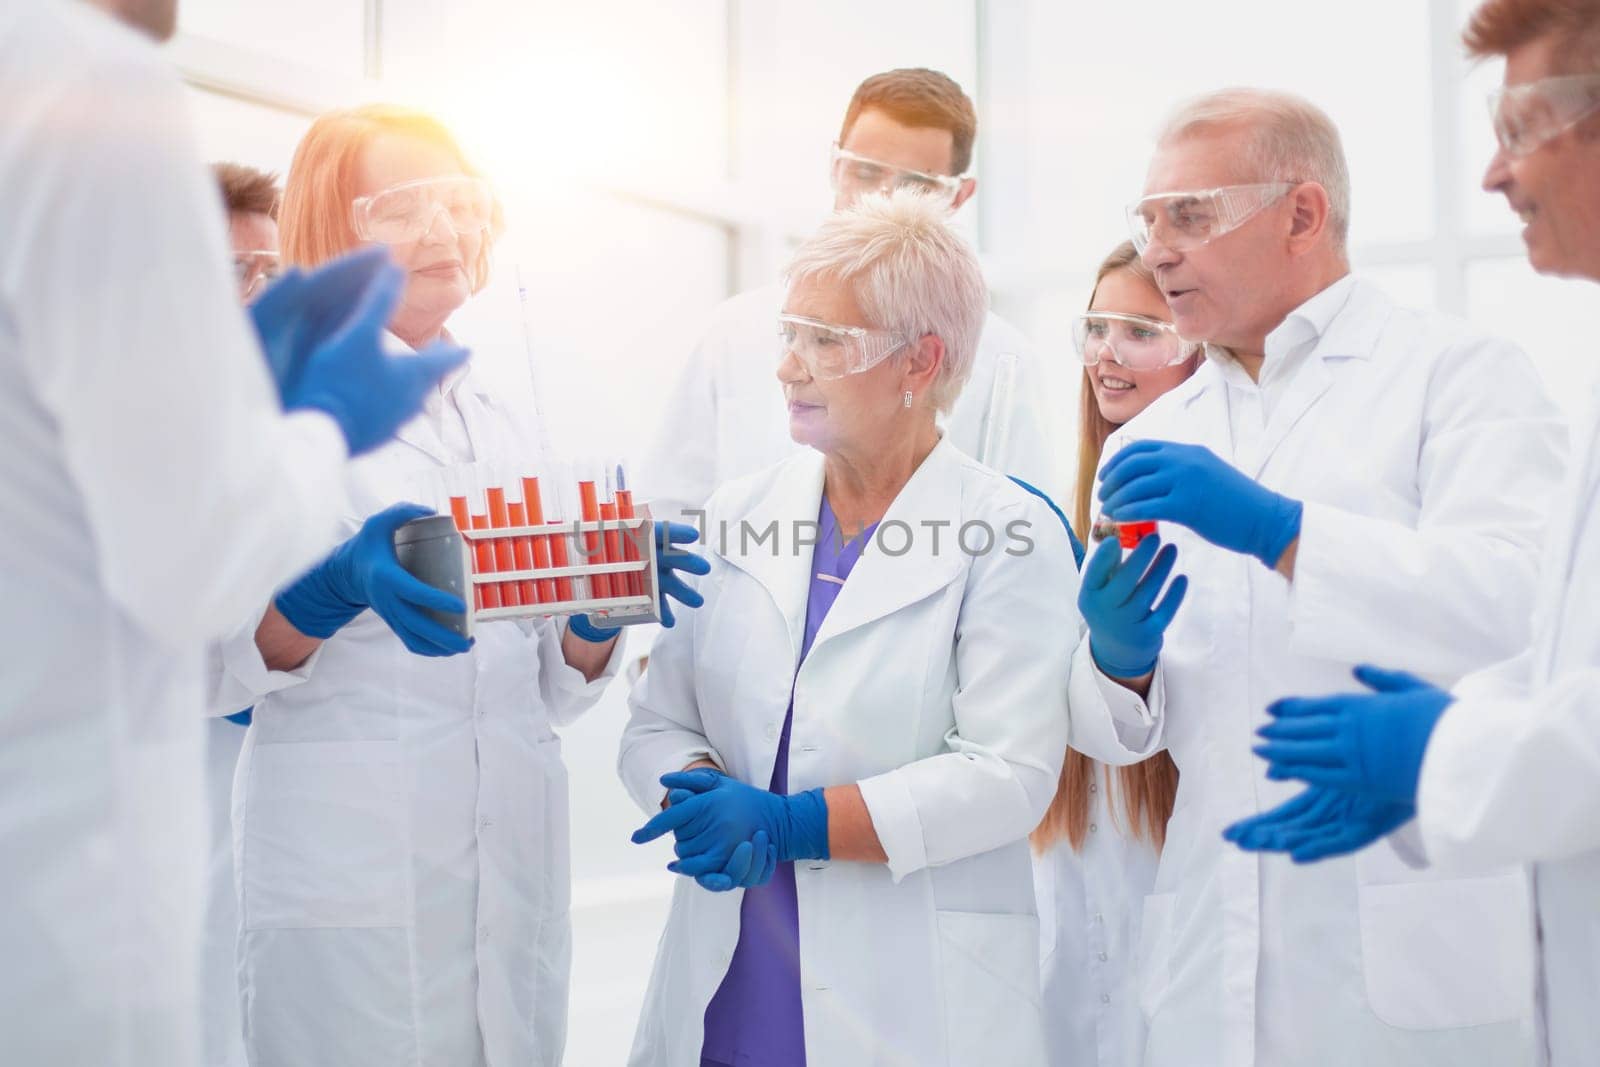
(658, 155)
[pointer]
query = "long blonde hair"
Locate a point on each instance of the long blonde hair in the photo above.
(1149, 788)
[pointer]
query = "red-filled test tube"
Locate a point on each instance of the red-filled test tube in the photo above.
(630, 542)
(504, 555)
(589, 502)
(483, 552)
(534, 505)
(613, 547)
(522, 550)
(559, 557)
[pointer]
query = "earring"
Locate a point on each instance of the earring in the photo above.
(908, 398)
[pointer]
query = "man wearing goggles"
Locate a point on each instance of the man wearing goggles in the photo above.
(1501, 767)
(727, 416)
(1354, 481)
(1545, 120)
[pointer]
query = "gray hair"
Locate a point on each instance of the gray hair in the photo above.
(909, 271)
(1291, 139)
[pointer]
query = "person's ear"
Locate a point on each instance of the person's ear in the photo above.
(969, 186)
(923, 363)
(1311, 218)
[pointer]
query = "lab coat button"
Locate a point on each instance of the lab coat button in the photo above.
(1105, 998)
(1103, 957)
(1093, 828)
(1093, 788)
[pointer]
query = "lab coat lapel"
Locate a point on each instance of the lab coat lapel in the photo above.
(419, 434)
(780, 563)
(1207, 404)
(1352, 334)
(881, 584)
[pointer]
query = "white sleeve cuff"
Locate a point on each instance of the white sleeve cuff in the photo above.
(896, 822)
(570, 681)
(644, 762)
(1110, 722)
(241, 677)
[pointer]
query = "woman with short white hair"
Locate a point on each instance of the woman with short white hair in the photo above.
(851, 740)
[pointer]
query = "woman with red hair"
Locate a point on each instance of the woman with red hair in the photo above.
(400, 807)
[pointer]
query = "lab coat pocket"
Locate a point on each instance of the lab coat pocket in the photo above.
(990, 966)
(324, 836)
(1441, 954)
(1155, 951)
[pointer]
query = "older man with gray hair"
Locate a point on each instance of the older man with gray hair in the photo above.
(1346, 481)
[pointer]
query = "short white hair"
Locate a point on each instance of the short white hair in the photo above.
(910, 273)
(1291, 140)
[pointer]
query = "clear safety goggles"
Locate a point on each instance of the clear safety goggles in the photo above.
(1185, 221)
(405, 212)
(1131, 341)
(1526, 116)
(828, 351)
(854, 175)
(254, 270)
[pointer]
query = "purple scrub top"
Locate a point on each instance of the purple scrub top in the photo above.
(755, 1016)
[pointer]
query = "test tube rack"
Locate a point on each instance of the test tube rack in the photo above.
(489, 566)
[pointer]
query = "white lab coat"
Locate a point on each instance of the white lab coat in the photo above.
(1090, 901)
(1426, 456)
(151, 492)
(726, 416)
(936, 683)
(400, 821)
(1512, 772)
(221, 1029)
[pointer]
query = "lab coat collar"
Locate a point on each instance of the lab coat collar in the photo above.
(791, 499)
(1305, 325)
(1342, 322)
(420, 433)
(880, 583)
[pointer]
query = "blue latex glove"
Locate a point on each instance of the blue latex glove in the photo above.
(1367, 743)
(1077, 545)
(363, 572)
(300, 311)
(1319, 823)
(1117, 599)
(1192, 486)
(669, 560)
(348, 375)
(724, 813)
(753, 862)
